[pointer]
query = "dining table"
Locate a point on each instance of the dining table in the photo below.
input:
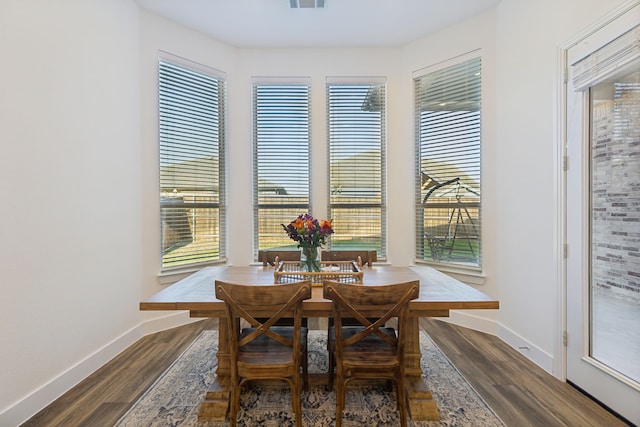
(439, 294)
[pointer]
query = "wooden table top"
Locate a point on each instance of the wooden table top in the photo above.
(439, 292)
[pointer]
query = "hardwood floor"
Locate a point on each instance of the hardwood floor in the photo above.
(520, 392)
(103, 397)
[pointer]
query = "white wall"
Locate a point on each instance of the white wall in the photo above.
(79, 227)
(528, 35)
(70, 243)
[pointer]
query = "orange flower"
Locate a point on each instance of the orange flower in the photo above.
(308, 231)
(298, 223)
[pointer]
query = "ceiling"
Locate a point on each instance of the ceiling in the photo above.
(343, 23)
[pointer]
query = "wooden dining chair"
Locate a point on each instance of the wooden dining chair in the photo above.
(366, 257)
(370, 350)
(264, 351)
(269, 257)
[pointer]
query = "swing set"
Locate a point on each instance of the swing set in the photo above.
(457, 238)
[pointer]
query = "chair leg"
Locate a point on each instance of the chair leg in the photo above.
(332, 367)
(296, 400)
(305, 368)
(340, 399)
(234, 404)
(402, 401)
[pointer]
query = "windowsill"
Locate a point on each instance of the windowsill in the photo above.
(169, 277)
(469, 276)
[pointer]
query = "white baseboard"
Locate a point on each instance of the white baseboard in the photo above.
(471, 321)
(31, 404)
(172, 319)
(526, 348)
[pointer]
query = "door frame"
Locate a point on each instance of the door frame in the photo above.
(562, 165)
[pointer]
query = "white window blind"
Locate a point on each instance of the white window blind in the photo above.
(357, 192)
(191, 135)
(448, 164)
(281, 160)
(611, 58)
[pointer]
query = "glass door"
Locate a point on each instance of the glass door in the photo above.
(614, 285)
(603, 219)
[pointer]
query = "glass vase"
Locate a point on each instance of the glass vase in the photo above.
(310, 259)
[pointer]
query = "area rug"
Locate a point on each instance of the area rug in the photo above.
(174, 399)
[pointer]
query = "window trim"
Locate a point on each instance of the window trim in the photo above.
(362, 81)
(168, 274)
(466, 273)
(299, 207)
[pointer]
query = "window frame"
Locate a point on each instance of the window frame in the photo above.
(372, 100)
(297, 131)
(471, 231)
(217, 135)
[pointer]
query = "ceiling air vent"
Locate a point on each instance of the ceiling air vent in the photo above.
(308, 4)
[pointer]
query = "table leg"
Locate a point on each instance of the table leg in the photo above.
(422, 407)
(216, 402)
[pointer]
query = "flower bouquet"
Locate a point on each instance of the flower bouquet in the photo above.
(310, 235)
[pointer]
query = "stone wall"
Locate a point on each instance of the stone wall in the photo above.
(616, 192)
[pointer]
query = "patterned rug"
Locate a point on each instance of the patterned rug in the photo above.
(175, 398)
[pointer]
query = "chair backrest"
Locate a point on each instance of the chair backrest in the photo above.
(262, 307)
(367, 257)
(268, 257)
(372, 307)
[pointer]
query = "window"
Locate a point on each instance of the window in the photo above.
(191, 134)
(281, 159)
(447, 112)
(357, 194)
